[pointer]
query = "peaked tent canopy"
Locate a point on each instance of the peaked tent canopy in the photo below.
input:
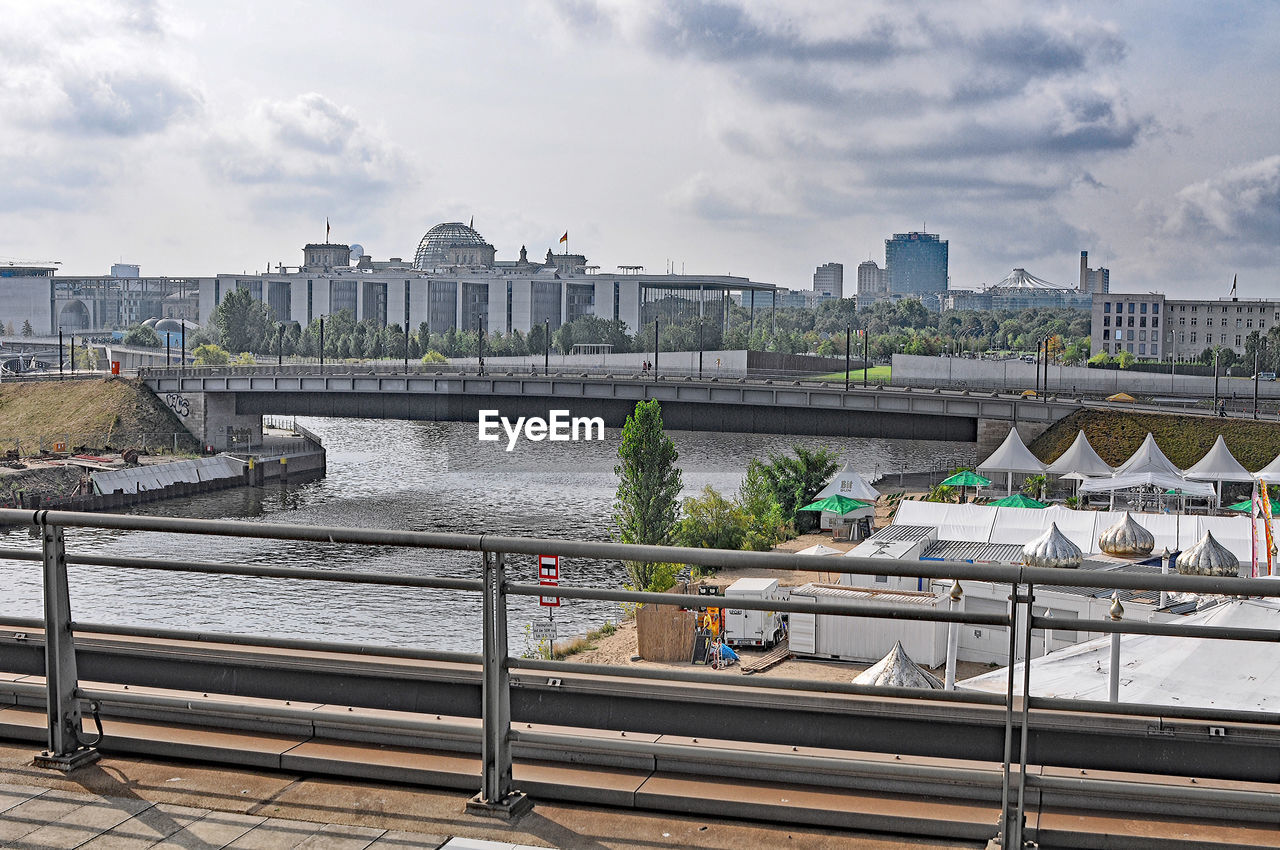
(1149, 458)
(1218, 464)
(897, 670)
(1269, 473)
(849, 483)
(1012, 456)
(819, 549)
(836, 505)
(1080, 459)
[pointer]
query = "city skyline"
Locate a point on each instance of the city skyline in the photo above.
(759, 141)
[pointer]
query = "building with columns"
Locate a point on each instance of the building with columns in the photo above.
(455, 281)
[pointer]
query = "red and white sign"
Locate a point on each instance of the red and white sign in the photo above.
(549, 575)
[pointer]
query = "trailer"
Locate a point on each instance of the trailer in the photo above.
(748, 627)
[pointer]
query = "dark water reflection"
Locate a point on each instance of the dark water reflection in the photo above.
(422, 476)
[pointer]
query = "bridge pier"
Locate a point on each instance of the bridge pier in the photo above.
(213, 419)
(992, 432)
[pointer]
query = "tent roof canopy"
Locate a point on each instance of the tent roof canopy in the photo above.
(1269, 473)
(1080, 458)
(1134, 480)
(1149, 458)
(1012, 456)
(849, 482)
(1218, 464)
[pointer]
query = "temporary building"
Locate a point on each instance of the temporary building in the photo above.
(849, 638)
(987, 524)
(1153, 480)
(1012, 456)
(1080, 458)
(1165, 670)
(1149, 458)
(1218, 464)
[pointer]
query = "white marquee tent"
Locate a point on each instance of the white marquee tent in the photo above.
(849, 482)
(1218, 464)
(1149, 458)
(1081, 459)
(1012, 456)
(1269, 473)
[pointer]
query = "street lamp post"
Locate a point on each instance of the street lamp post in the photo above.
(655, 350)
(848, 339)
(322, 342)
(280, 348)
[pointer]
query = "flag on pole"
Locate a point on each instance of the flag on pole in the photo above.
(564, 240)
(326, 230)
(1234, 279)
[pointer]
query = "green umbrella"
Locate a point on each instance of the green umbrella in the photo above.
(1247, 505)
(967, 478)
(1017, 500)
(836, 504)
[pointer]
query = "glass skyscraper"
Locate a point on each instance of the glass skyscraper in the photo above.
(916, 263)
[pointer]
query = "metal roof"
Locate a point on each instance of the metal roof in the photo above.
(895, 533)
(867, 594)
(973, 551)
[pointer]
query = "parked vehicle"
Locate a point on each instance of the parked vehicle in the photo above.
(752, 627)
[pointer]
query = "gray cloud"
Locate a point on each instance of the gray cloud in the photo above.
(125, 103)
(309, 152)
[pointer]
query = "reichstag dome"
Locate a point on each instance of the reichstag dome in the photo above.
(453, 244)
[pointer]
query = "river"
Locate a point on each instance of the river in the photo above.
(418, 475)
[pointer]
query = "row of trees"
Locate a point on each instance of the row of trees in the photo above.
(763, 512)
(241, 323)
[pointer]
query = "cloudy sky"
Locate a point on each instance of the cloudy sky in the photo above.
(756, 139)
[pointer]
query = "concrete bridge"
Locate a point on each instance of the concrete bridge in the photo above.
(220, 404)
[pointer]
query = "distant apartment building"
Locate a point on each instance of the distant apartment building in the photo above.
(35, 293)
(1095, 281)
(916, 263)
(828, 280)
(873, 283)
(1150, 325)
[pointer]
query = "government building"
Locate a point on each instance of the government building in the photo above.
(1149, 325)
(456, 281)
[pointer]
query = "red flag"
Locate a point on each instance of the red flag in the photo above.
(565, 238)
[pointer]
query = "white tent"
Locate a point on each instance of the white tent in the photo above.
(1165, 670)
(1269, 473)
(1012, 456)
(819, 549)
(1218, 464)
(1149, 458)
(849, 483)
(897, 670)
(1080, 459)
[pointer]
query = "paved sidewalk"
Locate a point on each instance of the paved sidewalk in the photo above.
(127, 803)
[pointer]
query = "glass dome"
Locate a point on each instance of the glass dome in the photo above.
(438, 246)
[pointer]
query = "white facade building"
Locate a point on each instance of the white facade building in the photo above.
(828, 280)
(1151, 326)
(455, 282)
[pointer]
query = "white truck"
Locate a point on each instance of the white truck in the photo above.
(752, 627)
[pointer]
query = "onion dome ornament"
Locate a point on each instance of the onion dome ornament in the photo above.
(1208, 557)
(1052, 549)
(1127, 539)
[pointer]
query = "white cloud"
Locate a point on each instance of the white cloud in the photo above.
(1236, 212)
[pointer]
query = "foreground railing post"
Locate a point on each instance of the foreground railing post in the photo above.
(62, 684)
(1010, 814)
(496, 797)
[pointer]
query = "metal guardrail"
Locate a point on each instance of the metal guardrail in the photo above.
(64, 694)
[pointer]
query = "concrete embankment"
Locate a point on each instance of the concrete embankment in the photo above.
(110, 444)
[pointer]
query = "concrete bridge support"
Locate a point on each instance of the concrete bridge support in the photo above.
(992, 432)
(213, 419)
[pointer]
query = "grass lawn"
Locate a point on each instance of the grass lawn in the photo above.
(875, 373)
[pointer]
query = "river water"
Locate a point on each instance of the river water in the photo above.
(426, 476)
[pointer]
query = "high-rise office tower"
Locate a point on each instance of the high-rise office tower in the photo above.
(1093, 280)
(916, 263)
(828, 280)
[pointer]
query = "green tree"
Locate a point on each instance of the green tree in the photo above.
(243, 322)
(1125, 360)
(710, 521)
(210, 355)
(27, 330)
(143, 336)
(645, 509)
(765, 524)
(795, 479)
(1102, 358)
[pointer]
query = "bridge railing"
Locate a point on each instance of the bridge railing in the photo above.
(66, 698)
